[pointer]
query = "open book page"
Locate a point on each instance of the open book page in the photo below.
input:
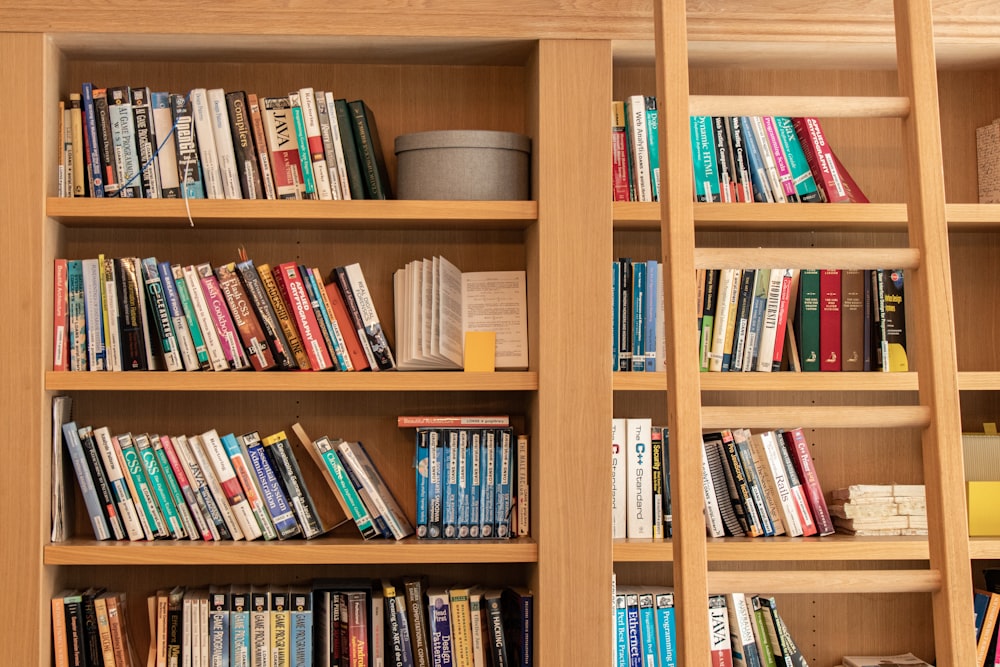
(449, 305)
(495, 301)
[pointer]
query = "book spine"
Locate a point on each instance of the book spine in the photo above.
(357, 457)
(461, 629)
(187, 140)
(619, 152)
(60, 316)
(369, 320)
(635, 108)
(283, 148)
(109, 298)
(435, 494)
(357, 508)
(894, 350)
(758, 169)
(787, 280)
(340, 277)
(244, 150)
(338, 161)
(316, 152)
(161, 111)
(153, 524)
(248, 482)
(196, 516)
(76, 316)
(820, 159)
(214, 521)
(421, 465)
(638, 309)
(523, 514)
(723, 157)
(119, 487)
(774, 474)
(158, 483)
(329, 147)
(718, 621)
(417, 621)
(505, 481)
(291, 284)
(729, 282)
(89, 117)
(709, 303)
(475, 481)
(131, 325)
(829, 320)
(282, 515)
(798, 449)
(209, 477)
(178, 320)
(105, 494)
(96, 356)
(808, 319)
(852, 319)
(105, 143)
(123, 137)
(798, 166)
(324, 325)
(270, 326)
(744, 306)
(97, 516)
(768, 157)
(780, 161)
(440, 626)
(371, 158)
(190, 316)
(161, 313)
(652, 316)
(771, 526)
(280, 306)
(355, 177)
(302, 142)
(772, 313)
(706, 168)
(215, 300)
(203, 317)
(283, 460)
(330, 318)
(208, 152)
(226, 474)
(751, 351)
(741, 164)
(222, 133)
(145, 138)
(246, 322)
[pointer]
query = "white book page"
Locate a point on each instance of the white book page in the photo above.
(400, 306)
(495, 301)
(427, 308)
(449, 304)
(414, 284)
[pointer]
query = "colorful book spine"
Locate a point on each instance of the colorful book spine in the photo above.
(204, 318)
(280, 306)
(302, 143)
(421, 466)
(158, 483)
(189, 172)
(260, 146)
(359, 513)
(166, 147)
(226, 329)
(190, 316)
(270, 326)
(272, 493)
(798, 449)
(244, 318)
(189, 502)
(98, 520)
(178, 320)
(161, 315)
(247, 479)
(290, 283)
(282, 458)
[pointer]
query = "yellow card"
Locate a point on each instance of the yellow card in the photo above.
(480, 351)
(984, 499)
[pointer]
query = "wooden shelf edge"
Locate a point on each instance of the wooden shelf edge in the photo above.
(831, 548)
(984, 548)
(332, 551)
(291, 381)
(771, 217)
(837, 582)
(240, 214)
(785, 381)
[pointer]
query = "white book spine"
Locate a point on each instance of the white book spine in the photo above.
(713, 517)
(201, 455)
(329, 150)
(116, 478)
(640, 149)
(369, 317)
(740, 626)
(187, 622)
(765, 355)
(338, 146)
(776, 472)
(186, 457)
(230, 484)
(310, 118)
(764, 148)
(346, 449)
(207, 150)
(223, 136)
(95, 317)
(113, 334)
(639, 521)
(729, 287)
(163, 125)
(619, 476)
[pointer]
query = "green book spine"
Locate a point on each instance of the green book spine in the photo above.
(706, 166)
(150, 514)
(189, 315)
(795, 158)
(159, 486)
(809, 319)
(303, 143)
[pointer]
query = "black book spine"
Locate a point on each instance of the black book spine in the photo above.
(101, 483)
(105, 143)
(376, 174)
(265, 313)
(133, 343)
(145, 138)
(92, 644)
(355, 176)
(188, 163)
(243, 144)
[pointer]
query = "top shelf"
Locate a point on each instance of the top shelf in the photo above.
(272, 214)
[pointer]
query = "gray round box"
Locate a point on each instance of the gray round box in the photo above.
(463, 164)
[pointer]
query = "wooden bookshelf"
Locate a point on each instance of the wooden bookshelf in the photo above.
(509, 66)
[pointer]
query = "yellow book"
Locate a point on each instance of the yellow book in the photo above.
(284, 319)
(461, 627)
(983, 499)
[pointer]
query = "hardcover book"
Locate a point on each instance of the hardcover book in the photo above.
(371, 156)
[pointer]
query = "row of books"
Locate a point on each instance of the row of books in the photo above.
(139, 486)
(127, 313)
(835, 320)
(129, 142)
(745, 629)
(638, 340)
(325, 623)
(640, 479)
(986, 605)
(762, 484)
(471, 481)
(735, 158)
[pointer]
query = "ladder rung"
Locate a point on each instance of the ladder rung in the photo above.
(821, 107)
(811, 416)
(806, 258)
(826, 581)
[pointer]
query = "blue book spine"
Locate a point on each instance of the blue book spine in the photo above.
(488, 497)
(647, 625)
(270, 488)
(475, 480)
(758, 172)
(449, 520)
(666, 629)
(653, 145)
(90, 128)
(303, 143)
(354, 503)
(616, 313)
(158, 484)
(86, 481)
(651, 313)
(239, 629)
(464, 464)
(634, 630)
(77, 311)
(639, 316)
(326, 318)
(435, 496)
(440, 627)
(504, 473)
(301, 630)
(218, 630)
(621, 632)
(421, 470)
(93, 315)
(706, 166)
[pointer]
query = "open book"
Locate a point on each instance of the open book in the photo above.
(436, 304)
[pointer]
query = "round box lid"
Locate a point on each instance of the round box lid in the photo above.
(462, 139)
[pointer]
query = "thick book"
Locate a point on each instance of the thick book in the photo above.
(356, 177)
(283, 460)
(808, 324)
(638, 463)
(160, 313)
(852, 319)
(518, 604)
(361, 308)
(638, 147)
(370, 153)
(619, 153)
(245, 319)
(123, 136)
(60, 316)
(161, 111)
(260, 145)
(293, 291)
(893, 311)
(189, 171)
(244, 149)
(416, 617)
(133, 323)
(721, 649)
(283, 149)
(706, 169)
(830, 330)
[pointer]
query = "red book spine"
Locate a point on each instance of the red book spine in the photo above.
(347, 329)
(293, 290)
(244, 318)
(60, 317)
(820, 159)
(779, 333)
(829, 320)
(798, 449)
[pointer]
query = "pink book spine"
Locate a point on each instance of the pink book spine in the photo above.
(60, 318)
(784, 174)
(228, 334)
(287, 276)
(183, 483)
(798, 448)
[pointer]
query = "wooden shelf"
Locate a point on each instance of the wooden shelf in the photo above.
(853, 382)
(322, 551)
(831, 548)
(271, 214)
(987, 548)
(291, 381)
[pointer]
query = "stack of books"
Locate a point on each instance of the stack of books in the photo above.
(123, 314)
(880, 509)
(209, 143)
(736, 158)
